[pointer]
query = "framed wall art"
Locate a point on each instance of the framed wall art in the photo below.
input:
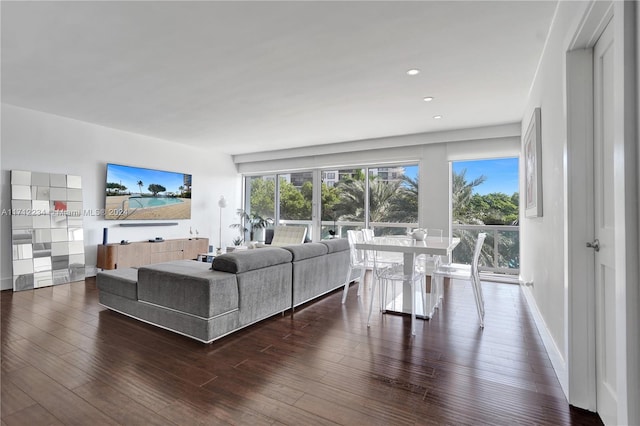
(532, 147)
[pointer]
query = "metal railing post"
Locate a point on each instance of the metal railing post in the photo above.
(495, 248)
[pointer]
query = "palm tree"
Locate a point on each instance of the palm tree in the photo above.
(384, 200)
(351, 204)
(140, 184)
(405, 206)
(461, 193)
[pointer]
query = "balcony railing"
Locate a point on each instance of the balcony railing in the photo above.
(500, 252)
(341, 227)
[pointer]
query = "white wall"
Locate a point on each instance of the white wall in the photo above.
(542, 239)
(42, 142)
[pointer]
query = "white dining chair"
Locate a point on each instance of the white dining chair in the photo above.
(467, 273)
(368, 237)
(357, 260)
(388, 268)
(425, 265)
(432, 263)
(368, 234)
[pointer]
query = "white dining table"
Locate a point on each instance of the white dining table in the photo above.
(431, 245)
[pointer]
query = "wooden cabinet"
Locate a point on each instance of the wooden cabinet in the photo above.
(165, 251)
(192, 248)
(113, 256)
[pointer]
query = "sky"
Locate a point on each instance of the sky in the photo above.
(501, 174)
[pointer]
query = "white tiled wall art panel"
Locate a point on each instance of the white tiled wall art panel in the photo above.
(46, 229)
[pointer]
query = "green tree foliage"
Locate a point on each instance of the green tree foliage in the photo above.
(295, 204)
(405, 205)
(494, 209)
(488, 209)
(330, 200)
(156, 188)
(461, 193)
(390, 201)
(350, 204)
(382, 199)
(263, 197)
(114, 188)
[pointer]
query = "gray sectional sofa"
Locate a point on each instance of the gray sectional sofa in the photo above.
(208, 301)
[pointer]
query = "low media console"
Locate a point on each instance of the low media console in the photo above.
(117, 256)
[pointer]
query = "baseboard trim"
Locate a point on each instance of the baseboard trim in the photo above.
(557, 361)
(6, 284)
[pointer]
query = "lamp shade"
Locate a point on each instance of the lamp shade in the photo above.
(222, 202)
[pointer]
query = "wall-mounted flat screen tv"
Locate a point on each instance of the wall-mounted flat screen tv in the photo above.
(136, 193)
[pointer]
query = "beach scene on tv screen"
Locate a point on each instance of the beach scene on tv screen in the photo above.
(140, 193)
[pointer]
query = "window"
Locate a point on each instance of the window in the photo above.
(382, 198)
(485, 198)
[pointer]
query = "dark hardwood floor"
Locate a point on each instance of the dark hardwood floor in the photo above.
(67, 360)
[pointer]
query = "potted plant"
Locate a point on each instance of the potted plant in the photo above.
(251, 222)
(237, 243)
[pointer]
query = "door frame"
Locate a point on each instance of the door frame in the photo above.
(580, 288)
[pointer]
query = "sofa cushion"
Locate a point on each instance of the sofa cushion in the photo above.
(122, 282)
(248, 260)
(337, 244)
(188, 286)
(306, 251)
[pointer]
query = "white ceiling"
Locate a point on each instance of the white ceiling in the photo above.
(245, 77)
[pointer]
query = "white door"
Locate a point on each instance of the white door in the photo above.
(604, 228)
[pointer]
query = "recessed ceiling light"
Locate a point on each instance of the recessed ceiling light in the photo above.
(428, 98)
(437, 117)
(413, 71)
